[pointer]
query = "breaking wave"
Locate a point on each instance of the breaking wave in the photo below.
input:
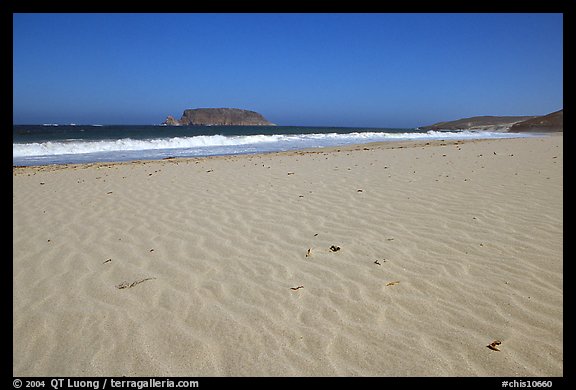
(290, 141)
(76, 150)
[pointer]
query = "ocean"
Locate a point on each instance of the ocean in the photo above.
(66, 144)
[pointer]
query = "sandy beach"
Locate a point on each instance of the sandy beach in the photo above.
(391, 259)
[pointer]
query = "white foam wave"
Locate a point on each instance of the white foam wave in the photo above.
(127, 144)
(283, 141)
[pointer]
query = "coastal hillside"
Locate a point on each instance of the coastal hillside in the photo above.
(514, 124)
(218, 116)
(489, 123)
(548, 123)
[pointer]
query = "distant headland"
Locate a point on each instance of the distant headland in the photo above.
(218, 117)
(547, 123)
(553, 122)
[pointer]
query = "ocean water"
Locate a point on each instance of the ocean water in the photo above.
(64, 144)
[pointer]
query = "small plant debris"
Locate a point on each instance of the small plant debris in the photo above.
(124, 285)
(493, 345)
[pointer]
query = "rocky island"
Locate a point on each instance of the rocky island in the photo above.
(218, 117)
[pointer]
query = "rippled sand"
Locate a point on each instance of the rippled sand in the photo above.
(192, 267)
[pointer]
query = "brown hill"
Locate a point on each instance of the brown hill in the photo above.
(542, 124)
(490, 123)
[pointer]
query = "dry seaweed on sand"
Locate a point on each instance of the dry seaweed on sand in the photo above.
(493, 345)
(130, 285)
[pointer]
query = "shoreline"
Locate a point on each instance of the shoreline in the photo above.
(352, 147)
(384, 259)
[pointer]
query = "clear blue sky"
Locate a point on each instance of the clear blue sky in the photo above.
(372, 70)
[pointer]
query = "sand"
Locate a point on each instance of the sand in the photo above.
(222, 266)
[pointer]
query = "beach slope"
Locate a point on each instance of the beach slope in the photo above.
(393, 259)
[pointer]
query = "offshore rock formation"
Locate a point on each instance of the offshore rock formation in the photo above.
(218, 117)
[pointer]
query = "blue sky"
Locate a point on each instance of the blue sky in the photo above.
(344, 69)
